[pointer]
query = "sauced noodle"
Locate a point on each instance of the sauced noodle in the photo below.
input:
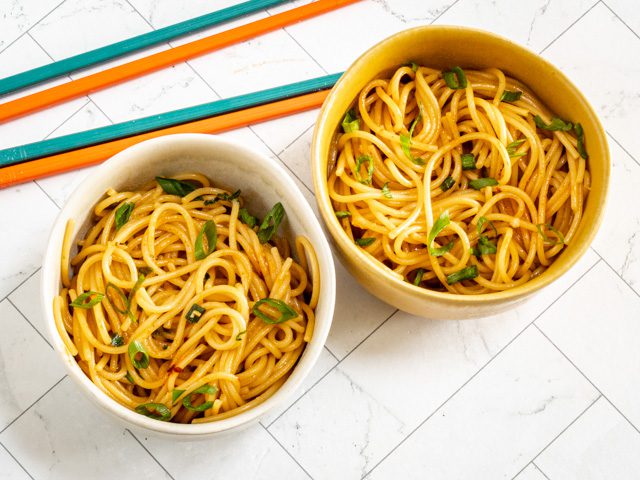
(453, 183)
(173, 335)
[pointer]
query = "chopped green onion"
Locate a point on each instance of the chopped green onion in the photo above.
(175, 187)
(385, 191)
(485, 246)
(405, 140)
(117, 340)
(362, 159)
(175, 394)
(287, 313)
(418, 279)
(559, 241)
(239, 336)
(482, 221)
(413, 65)
(271, 222)
(510, 96)
(194, 313)
(205, 389)
(246, 217)
(455, 78)
(343, 213)
(87, 300)
(350, 122)
(468, 161)
(123, 213)
(122, 296)
(556, 124)
(513, 146)
(580, 136)
(157, 411)
(447, 183)
(480, 183)
(467, 273)
(365, 241)
(210, 231)
(130, 378)
(438, 252)
(223, 196)
(439, 225)
(136, 348)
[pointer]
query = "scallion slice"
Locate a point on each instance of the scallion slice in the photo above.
(480, 183)
(485, 246)
(343, 213)
(513, 146)
(125, 301)
(117, 340)
(365, 241)
(224, 196)
(175, 187)
(350, 122)
(157, 411)
(580, 137)
(555, 125)
(447, 183)
(418, 278)
(175, 394)
(194, 313)
(468, 161)
(385, 191)
(247, 218)
(547, 240)
(413, 65)
(405, 140)
(87, 300)
(510, 96)
(210, 231)
(239, 336)
(123, 213)
(439, 225)
(271, 222)
(205, 389)
(467, 273)
(287, 313)
(129, 378)
(136, 348)
(455, 78)
(359, 162)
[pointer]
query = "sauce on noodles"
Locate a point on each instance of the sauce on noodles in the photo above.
(458, 181)
(181, 305)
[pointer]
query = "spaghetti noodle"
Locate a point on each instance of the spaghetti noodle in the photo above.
(458, 181)
(182, 305)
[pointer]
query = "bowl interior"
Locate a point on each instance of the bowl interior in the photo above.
(444, 47)
(263, 183)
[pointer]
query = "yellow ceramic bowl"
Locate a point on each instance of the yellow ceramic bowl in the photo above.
(444, 47)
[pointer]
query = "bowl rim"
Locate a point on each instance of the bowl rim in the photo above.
(136, 155)
(369, 264)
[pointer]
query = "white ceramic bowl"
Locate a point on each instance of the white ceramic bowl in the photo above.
(263, 183)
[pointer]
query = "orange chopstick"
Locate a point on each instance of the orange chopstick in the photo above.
(84, 157)
(136, 68)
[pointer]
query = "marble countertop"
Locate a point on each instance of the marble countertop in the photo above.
(549, 390)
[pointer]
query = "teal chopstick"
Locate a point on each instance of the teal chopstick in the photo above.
(108, 52)
(31, 151)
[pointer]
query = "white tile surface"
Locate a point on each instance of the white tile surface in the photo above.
(388, 375)
(503, 417)
(599, 445)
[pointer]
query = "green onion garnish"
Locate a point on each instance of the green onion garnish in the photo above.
(485, 246)
(405, 140)
(123, 213)
(208, 389)
(509, 96)
(117, 340)
(385, 191)
(556, 124)
(455, 78)
(580, 136)
(418, 278)
(413, 65)
(513, 146)
(120, 293)
(224, 196)
(468, 161)
(362, 159)
(343, 213)
(194, 313)
(175, 394)
(480, 183)
(87, 300)
(210, 231)
(136, 348)
(130, 378)
(175, 187)
(239, 336)
(350, 122)
(287, 313)
(547, 240)
(271, 222)
(157, 411)
(438, 226)
(467, 273)
(246, 217)
(365, 241)
(447, 184)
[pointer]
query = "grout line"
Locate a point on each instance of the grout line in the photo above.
(623, 149)
(443, 12)
(587, 378)
(47, 195)
(35, 23)
(287, 452)
(16, 460)
(294, 140)
(561, 432)
(331, 353)
(304, 50)
(615, 271)
(150, 454)
(331, 369)
(620, 18)
(481, 369)
(29, 407)
(569, 27)
(540, 470)
(20, 284)
(48, 135)
(29, 322)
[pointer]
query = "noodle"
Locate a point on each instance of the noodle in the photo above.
(181, 306)
(457, 181)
